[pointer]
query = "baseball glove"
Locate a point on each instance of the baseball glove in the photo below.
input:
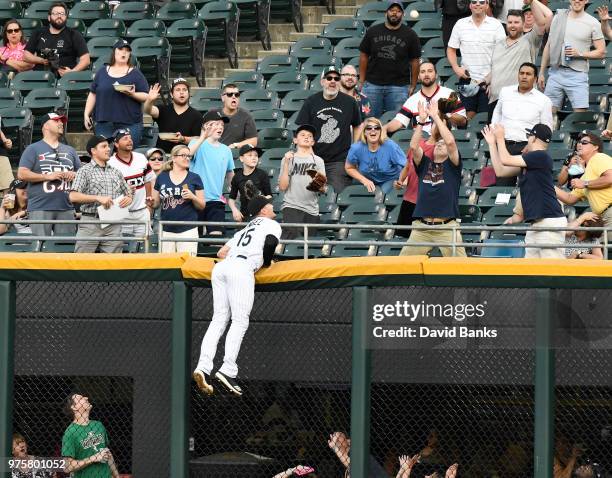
(318, 182)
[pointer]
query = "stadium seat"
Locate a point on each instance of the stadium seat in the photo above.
(106, 27)
(500, 251)
(221, 19)
(254, 100)
(173, 11)
(371, 12)
(206, 99)
(9, 98)
(306, 47)
(29, 25)
(496, 215)
(271, 158)
(274, 138)
(254, 20)
(358, 193)
(101, 47)
(291, 121)
(146, 27)
(386, 250)
(363, 212)
(314, 66)
(154, 57)
(347, 48)
(297, 251)
(293, 101)
(273, 64)
(585, 120)
(245, 80)
(90, 11)
(394, 198)
(37, 11)
(57, 246)
(343, 28)
(43, 100)
(76, 84)
(132, 11)
(444, 70)
(490, 197)
(188, 40)
(30, 80)
(392, 215)
(433, 49)
(14, 242)
(282, 83)
(17, 125)
(341, 250)
(10, 9)
(427, 29)
(77, 24)
(403, 137)
(469, 213)
(467, 195)
(268, 119)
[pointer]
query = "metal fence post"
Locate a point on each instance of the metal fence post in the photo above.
(7, 356)
(181, 374)
(361, 383)
(544, 385)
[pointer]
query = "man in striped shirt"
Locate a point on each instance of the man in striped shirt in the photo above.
(475, 36)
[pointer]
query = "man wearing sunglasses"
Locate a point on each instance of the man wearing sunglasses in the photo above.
(337, 121)
(389, 61)
(475, 36)
(595, 185)
(178, 118)
(241, 128)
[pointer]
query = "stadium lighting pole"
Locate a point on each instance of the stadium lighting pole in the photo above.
(544, 385)
(7, 355)
(181, 377)
(361, 384)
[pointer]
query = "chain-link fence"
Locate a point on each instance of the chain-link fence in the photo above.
(92, 372)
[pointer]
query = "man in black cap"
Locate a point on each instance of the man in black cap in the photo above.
(214, 162)
(99, 184)
(49, 166)
(178, 118)
(333, 114)
(389, 61)
(61, 48)
(534, 168)
(249, 181)
(233, 283)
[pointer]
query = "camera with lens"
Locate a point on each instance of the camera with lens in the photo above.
(51, 56)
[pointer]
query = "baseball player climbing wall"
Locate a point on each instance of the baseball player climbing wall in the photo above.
(233, 284)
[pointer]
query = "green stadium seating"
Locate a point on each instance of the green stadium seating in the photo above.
(428, 29)
(90, 11)
(306, 47)
(389, 250)
(30, 80)
(254, 20)
(10, 9)
(371, 12)
(17, 125)
(132, 11)
(14, 242)
(254, 100)
(342, 250)
(77, 24)
(37, 11)
(245, 80)
(188, 40)
(347, 48)
(9, 98)
(173, 11)
(203, 99)
(76, 84)
(288, 11)
(358, 193)
(106, 27)
(394, 198)
(422, 7)
(57, 246)
(271, 158)
(343, 28)
(498, 251)
(297, 251)
(273, 64)
(221, 19)
(433, 49)
(29, 25)
(43, 100)
(274, 138)
(268, 119)
(486, 200)
(469, 213)
(291, 122)
(101, 47)
(293, 101)
(154, 56)
(583, 120)
(314, 66)
(282, 83)
(363, 212)
(146, 27)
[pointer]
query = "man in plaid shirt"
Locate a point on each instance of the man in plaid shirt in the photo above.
(98, 184)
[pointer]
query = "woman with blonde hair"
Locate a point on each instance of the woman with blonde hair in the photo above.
(375, 160)
(181, 195)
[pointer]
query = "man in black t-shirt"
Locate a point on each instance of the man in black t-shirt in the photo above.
(260, 182)
(241, 129)
(179, 121)
(389, 61)
(332, 113)
(57, 47)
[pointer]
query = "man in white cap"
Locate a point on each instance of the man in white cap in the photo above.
(49, 166)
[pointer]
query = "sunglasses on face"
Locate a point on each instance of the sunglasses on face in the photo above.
(584, 141)
(332, 78)
(478, 2)
(13, 30)
(373, 128)
(156, 158)
(232, 94)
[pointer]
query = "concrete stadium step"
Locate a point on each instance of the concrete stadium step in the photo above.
(330, 18)
(252, 49)
(229, 71)
(299, 36)
(214, 82)
(314, 28)
(265, 53)
(279, 32)
(216, 68)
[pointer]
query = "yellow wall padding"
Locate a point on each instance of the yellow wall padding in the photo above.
(85, 262)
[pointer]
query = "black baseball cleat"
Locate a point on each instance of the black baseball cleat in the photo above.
(229, 383)
(204, 381)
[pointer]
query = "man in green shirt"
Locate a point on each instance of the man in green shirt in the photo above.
(85, 442)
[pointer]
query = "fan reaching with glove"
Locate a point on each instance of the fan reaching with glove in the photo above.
(318, 183)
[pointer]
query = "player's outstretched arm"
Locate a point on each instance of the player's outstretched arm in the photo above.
(268, 250)
(222, 253)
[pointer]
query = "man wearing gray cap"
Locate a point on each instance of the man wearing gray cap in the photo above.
(49, 166)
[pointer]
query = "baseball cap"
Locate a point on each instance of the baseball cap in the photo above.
(540, 131)
(214, 115)
(120, 133)
(526, 8)
(95, 141)
(122, 44)
(53, 116)
(329, 69)
(257, 204)
(180, 81)
(391, 3)
(17, 184)
(247, 147)
(596, 140)
(150, 151)
(306, 127)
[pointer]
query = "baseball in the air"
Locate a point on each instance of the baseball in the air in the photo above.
(414, 14)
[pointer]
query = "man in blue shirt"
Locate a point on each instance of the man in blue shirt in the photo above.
(214, 163)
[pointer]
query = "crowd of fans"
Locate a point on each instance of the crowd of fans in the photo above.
(493, 49)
